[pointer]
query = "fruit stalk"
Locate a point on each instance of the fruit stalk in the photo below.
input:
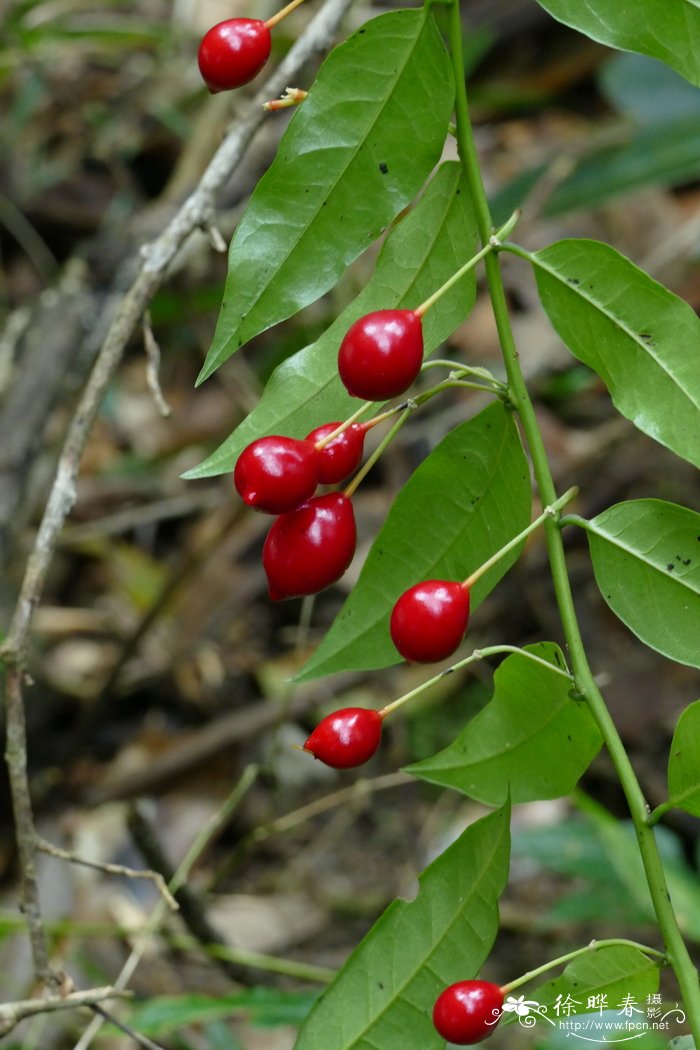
(494, 241)
(549, 513)
(283, 13)
(677, 952)
(477, 654)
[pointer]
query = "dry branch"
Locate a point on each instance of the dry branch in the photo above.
(197, 212)
(12, 1013)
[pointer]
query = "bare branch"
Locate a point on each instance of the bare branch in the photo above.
(12, 1013)
(110, 869)
(154, 260)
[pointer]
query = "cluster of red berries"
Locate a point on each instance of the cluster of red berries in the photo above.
(312, 542)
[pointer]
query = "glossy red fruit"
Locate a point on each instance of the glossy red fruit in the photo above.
(381, 354)
(233, 52)
(310, 547)
(340, 457)
(429, 620)
(468, 1011)
(346, 738)
(276, 474)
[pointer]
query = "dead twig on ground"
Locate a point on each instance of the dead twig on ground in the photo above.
(197, 212)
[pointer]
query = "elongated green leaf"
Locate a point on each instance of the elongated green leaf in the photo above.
(465, 501)
(648, 91)
(684, 762)
(422, 251)
(665, 29)
(383, 996)
(607, 978)
(646, 560)
(643, 341)
(531, 741)
(665, 154)
(262, 1006)
(354, 154)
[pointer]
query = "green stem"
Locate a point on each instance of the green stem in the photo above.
(478, 654)
(494, 241)
(548, 513)
(677, 952)
(386, 440)
(271, 22)
(594, 946)
(344, 425)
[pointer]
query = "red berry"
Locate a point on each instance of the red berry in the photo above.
(346, 738)
(468, 1011)
(340, 456)
(276, 474)
(310, 547)
(233, 52)
(429, 620)
(381, 354)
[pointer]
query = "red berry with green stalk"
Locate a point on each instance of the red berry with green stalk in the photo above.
(340, 456)
(347, 738)
(234, 51)
(277, 474)
(429, 620)
(381, 354)
(468, 1011)
(310, 547)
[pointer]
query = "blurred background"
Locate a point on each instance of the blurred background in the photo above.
(160, 668)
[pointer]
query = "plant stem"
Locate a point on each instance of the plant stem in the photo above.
(478, 654)
(594, 946)
(677, 952)
(494, 241)
(344, 425)
(283, 13)
(386, 440)
(548, 513)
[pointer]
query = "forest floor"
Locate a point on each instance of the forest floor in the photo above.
(160, 669)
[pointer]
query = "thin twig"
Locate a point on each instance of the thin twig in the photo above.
(12, 1013)
(152, 349)
(155, 259)
(110, 869)
(210, 830)
(192, 910)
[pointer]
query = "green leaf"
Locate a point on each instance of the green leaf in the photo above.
(640, 338)
(261, 1006)
(620, 844)
(684, 762)
(600, 856)
(616, 979)
(648, 91)
(646, 560)
(613, 972)
(665, 154)
(531, 741)
(665, 29)
(476, 485)
(425, 248)
(355, 153)
(384, 994)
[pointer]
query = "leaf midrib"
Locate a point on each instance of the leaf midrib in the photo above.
(592, 527)
(329, 189)
(424, 961)
(616, 321)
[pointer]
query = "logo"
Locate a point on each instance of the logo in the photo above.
(595, 1020)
